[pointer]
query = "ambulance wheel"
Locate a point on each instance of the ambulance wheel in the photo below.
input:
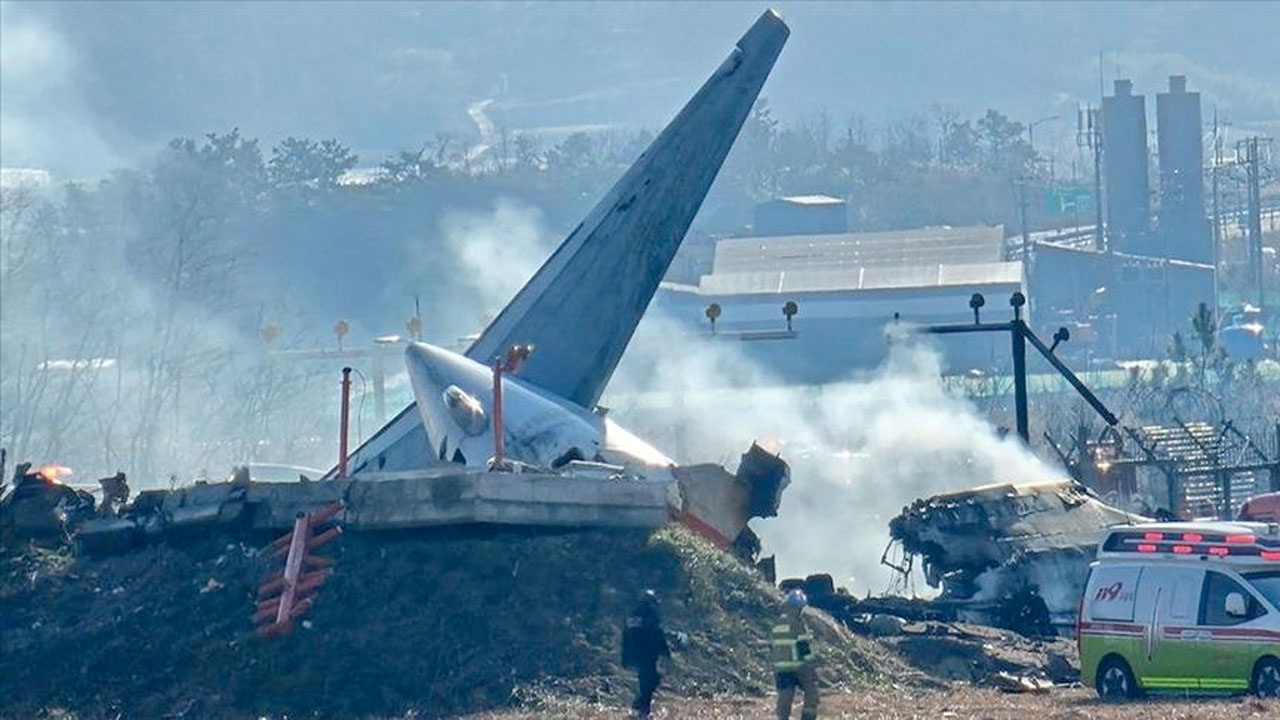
(1266, 678)
(1115, 681)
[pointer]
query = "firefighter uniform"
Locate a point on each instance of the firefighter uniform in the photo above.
(791, 651)
(643, 643)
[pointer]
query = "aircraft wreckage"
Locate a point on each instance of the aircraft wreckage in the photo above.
(1013, 555)
(480, 445)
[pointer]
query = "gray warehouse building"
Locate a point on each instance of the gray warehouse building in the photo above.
(848, 288)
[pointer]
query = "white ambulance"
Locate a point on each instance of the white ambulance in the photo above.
(1183, 607)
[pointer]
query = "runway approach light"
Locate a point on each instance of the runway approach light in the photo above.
(789, 310)
(975, 303)
(1060, 337)
(713, 314)
(1017, 300)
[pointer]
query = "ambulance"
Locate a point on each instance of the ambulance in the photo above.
(1183, 607)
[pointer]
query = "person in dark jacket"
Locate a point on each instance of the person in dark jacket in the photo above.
(643, 642)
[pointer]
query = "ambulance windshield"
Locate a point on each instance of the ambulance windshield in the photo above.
(1268, 584)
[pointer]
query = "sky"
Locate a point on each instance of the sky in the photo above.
(87, 87)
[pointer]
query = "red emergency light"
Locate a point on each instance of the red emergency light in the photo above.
(1181, 549)
(1271, 556)
(1147, 547)
(1193, 537)
(1153, 536)
(1219, 550)
(1241, 539)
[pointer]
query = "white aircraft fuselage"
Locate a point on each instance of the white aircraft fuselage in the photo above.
(454, 396)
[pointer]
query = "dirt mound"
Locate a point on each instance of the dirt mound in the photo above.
(440, 624)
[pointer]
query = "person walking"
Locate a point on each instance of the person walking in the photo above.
(791, 651)
(643, 643)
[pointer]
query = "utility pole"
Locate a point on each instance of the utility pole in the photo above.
(1217, 218)
(1251, 161)
(1217, 162)
(1022, 187)
(1022, 214)
(1089, 134)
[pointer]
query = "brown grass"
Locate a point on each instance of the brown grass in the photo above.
(958, 703)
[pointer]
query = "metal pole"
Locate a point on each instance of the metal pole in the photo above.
(498, 444)
(1217, 218)
(1022, 213)
(1072, 379)
(344, 422)
(1275, 467)
(1224, 479)
(1095, 142)
(1255, 220)
(379, 385)
(1020, 378)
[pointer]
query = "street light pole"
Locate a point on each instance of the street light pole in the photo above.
(1031, 132)
(1022, 187)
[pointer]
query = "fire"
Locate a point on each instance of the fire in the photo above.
(54, 473)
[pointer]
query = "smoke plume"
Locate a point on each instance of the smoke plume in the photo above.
(859, 450)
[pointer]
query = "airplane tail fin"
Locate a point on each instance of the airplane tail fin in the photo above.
(582, 306)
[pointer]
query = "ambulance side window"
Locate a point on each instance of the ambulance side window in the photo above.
(1186, 593)
(1213, 601)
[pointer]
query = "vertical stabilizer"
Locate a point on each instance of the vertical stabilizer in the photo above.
(582, 306)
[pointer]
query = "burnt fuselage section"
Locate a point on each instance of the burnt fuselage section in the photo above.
(1008, 554)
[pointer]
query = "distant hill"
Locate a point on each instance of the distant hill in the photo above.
(87, 85)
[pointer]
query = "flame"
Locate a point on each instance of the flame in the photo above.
(54, 473)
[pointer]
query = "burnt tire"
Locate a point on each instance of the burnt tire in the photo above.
(1266, 678)
(1115, 681)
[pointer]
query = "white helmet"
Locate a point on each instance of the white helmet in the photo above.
(795, 599)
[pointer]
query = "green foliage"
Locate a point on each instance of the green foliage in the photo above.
(406, 167)
(306, 163)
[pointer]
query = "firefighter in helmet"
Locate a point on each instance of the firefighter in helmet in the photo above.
(791, 651)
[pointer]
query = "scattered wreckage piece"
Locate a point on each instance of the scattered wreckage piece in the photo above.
(383, 502)
(717, 504)
(39, 506)
(980, 655)
(706, 498)
(1010, 683)
(1009, 555)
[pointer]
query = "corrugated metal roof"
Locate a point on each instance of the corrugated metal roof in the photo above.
(861, 278)
(900, 248)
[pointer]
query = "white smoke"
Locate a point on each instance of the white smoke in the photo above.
(44, 122)
(860, 450)
(496, 252)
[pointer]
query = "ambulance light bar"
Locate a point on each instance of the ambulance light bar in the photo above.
(1220, 545)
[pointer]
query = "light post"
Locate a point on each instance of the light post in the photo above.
(1022, 186)
(1031, 132)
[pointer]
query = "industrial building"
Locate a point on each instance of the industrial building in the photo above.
(1130, 304)
(1125, 290)
(847, 288)
(1146, 280)
(1184, 226)
(1124, 141)
(801, 214)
